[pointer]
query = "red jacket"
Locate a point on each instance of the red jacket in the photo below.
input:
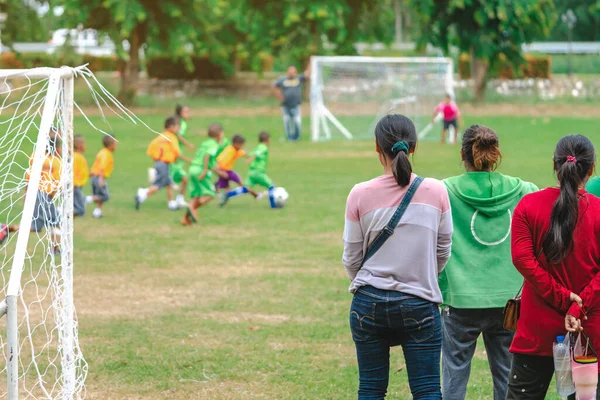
(545, 300)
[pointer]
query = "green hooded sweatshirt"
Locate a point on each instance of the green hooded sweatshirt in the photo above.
(480, 273)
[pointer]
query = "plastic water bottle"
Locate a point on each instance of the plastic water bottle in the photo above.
(562, 366)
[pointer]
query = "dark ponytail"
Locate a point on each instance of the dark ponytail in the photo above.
(178, 109)
(396, 138)
(481, 148)
(574, 157)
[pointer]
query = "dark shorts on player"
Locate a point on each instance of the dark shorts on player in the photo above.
(78, 201)
(452, 122)
(223, 183)
(100, 192)
(45, 213)
(163, 177)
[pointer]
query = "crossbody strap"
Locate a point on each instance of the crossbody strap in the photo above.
(388, 230)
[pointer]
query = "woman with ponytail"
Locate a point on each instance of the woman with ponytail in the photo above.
(394, 279)
(556, 247)
(479, 277)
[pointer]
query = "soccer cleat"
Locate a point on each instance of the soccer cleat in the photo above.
(224, 200)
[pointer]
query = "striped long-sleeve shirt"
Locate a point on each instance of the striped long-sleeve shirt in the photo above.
(412, 258)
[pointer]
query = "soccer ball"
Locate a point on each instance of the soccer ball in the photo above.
(280, 196)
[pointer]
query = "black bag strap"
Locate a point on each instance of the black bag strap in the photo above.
(388, 230)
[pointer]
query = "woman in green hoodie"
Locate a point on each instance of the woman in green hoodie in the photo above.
(479, 277)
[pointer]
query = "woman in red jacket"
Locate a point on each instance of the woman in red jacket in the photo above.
(556, 247)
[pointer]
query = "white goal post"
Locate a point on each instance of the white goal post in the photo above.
(348, 94)
(41, 348)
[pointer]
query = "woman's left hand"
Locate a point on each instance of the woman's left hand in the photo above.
(572, 324)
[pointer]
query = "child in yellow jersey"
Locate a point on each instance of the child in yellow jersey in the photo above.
(164, 150)
(45, 213)
(226, 161)
(81, 174)
(102, 169)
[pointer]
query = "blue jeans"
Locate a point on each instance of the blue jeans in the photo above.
(380, 319)
(461, 328)
(292, 122)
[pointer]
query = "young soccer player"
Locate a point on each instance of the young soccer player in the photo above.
(45, 213)
(102, 169)
(226, 160)
(177, 168)
(451, 116)
(81, 174)
(201, 170)
(257, 174)
(164, 150)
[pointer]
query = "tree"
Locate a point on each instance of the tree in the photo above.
(490, 31)
(224, 31)
(587, 28)
(134, 24)
(22, 14)
(296, 30)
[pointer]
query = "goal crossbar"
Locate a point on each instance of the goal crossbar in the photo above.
(37, 73)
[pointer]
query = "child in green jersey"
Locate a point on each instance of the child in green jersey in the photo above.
(177, 169)
(257, 173)
(201, 173)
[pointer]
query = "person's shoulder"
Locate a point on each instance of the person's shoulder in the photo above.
(539, 196)
(367, 187)
(529, 187)
(434, 185)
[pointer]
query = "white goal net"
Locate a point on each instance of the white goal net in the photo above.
(350, 94)
(42, 356)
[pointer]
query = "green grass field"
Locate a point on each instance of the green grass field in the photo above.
(252, 303)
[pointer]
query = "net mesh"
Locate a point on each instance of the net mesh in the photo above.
(359, 93)
(47, 325)
(50, 360)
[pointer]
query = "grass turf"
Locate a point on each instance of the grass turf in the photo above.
(251, 303)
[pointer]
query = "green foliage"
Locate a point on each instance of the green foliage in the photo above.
(23, 24)
(165, 26)
(489, 29)
(228, 30)
(587, 27)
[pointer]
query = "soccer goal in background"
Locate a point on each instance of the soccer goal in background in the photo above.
(349, 94)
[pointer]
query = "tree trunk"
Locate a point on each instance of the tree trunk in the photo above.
(479, 72)
(398, 12)
(131, 70)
